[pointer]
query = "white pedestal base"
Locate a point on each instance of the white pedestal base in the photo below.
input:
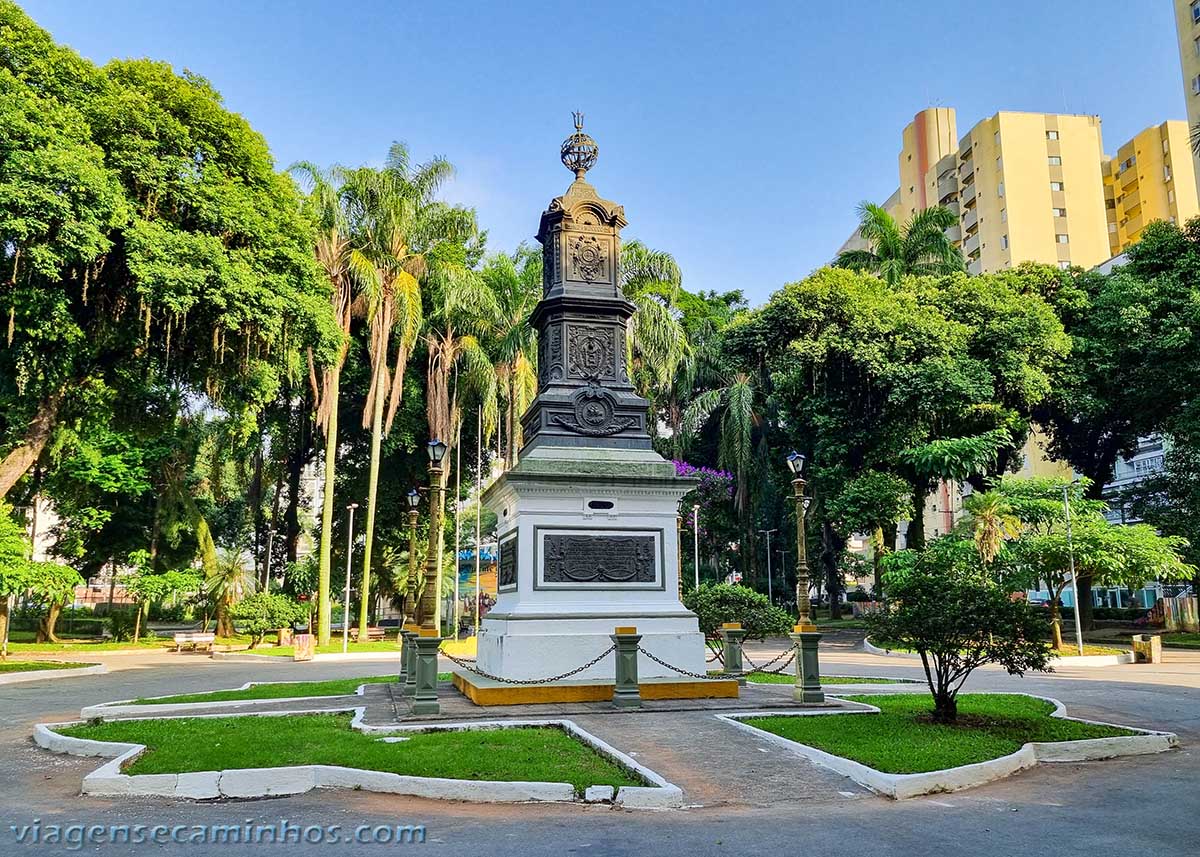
(545, 648)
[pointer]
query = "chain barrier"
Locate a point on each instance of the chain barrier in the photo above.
(469, 663)
(727, 675)
(717, 656)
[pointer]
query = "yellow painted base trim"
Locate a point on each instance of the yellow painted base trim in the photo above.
(519, 694)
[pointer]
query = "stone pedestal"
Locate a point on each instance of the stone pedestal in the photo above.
(808, 668)
(587, 543)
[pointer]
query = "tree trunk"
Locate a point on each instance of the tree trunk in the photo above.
(1087, 619)
(17, 463)
(832, 546)
(46, 627)
(137, 625)
(945, 706)
(296, 462)
(380, 388)
(4, 628)
(1056, 623)
(323, 606)
(877, 561)
(915, 538)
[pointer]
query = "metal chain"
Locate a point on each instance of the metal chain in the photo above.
(681, 671)
(791, 653)
(726, 675)
(470, 664)
(717, 656)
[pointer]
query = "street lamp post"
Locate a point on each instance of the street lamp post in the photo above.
(696, 541)
(804, 636)
(410, 602)
(770, 588)
(1071, 560)
(346, 603)
(429, 598)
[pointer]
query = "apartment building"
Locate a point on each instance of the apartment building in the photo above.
(1187, 26)
(1152, 177)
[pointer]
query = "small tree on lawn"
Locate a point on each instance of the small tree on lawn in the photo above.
(262, 613)
(51, 585)
(958, 615)
(148, 587)
(717, 603)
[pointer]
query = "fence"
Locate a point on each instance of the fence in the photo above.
(1178, 614)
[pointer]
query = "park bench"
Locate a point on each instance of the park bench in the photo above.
(373, 634)
(195, 639)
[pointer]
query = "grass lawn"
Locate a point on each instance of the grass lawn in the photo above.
(277, 690)
(36, 666)
(902, 739)
(215, 744)
(1182, 640)
(779, 678)
(89, 646)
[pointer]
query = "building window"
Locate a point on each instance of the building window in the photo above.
(1051, 135)
(1064, 265)
(996, 138)
(1003, 242)
(1061, 238)
(1004, 215)
(999, 164)
(1196, 11)
(1110, 203)
(1166, 172)
(1112, 227)
(1055, 161)
(1000, 189)
(1196, 85)
(1171, 196)
(1056, 185)
(1059, 212)
(1166, 146)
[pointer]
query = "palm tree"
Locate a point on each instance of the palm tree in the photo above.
(920, 247)
(402, 228)
(227, 584)
(342, 265)
(657, 342)
(516, 282)
(993, 522)
(738, 398)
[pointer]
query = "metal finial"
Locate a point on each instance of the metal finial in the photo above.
(579, 151)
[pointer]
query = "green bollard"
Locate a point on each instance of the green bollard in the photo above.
(410, 661)
(732, 635)
(808, 668)
(425, 695)
(402, 677)
(627, 693)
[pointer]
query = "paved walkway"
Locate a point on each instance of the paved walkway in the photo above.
(781, 804)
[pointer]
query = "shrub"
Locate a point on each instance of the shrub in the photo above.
(944, 604)
(259, 614)
(716, 603)
(858, 595)
(121, 622)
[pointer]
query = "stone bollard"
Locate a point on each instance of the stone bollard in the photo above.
(425, 695)
(409, 656)
(732, 635)
(402, 676)
(1147, 649)
(627, 693)
(808, 668)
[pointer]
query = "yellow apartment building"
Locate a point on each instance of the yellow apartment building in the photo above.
(1187, 25)
(1152, 177)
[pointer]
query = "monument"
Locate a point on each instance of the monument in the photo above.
(587, 519)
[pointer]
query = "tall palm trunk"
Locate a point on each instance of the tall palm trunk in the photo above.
(324, 611)
(379, 386)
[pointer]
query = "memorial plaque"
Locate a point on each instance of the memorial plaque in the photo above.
(507, 573)
(609, 559)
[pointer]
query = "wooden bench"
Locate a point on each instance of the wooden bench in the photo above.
(195, 639)
(373, 634)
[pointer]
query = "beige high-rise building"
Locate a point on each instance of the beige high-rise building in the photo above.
(1152, 177)
(1187, 26)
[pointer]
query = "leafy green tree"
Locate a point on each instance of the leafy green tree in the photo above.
(260, 614)
(944, 604)
(1113, 554)
(872, 502)
(148, 587)
(228, 584)
(992, 522)
(51, 585)
(14, 568)
(917, 248)
(657, 343)
(1170, 499)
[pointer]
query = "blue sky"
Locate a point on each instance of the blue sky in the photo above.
(738, 136)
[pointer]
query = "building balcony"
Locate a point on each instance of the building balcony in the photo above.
(971, 244)
(954, 233)
(947, 185)
(970, 218)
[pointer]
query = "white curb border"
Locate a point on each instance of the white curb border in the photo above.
(1057, 660)
(261, 782)
(247, 656)
(901, 786)
(121, 708)
(44, 675)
